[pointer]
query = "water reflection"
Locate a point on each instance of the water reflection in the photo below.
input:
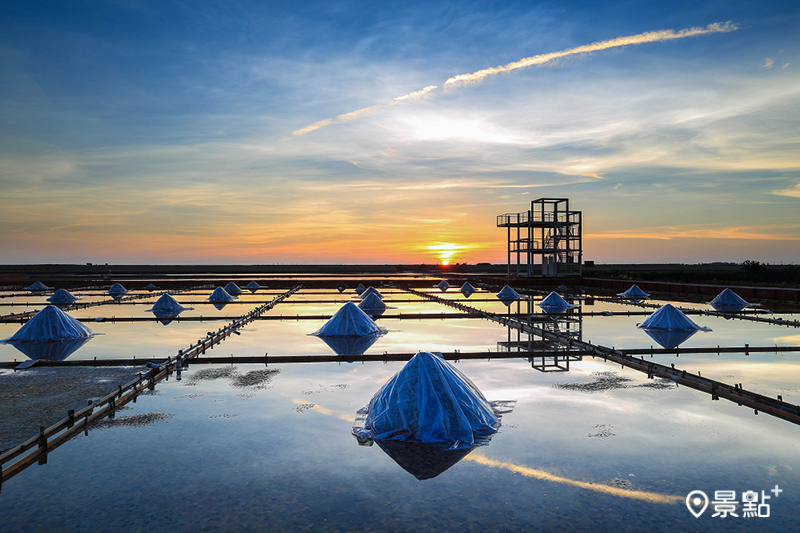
(669, 339)
(351, 344)
(166, 317)
(50, 350)
(558, 357)
(423, 461)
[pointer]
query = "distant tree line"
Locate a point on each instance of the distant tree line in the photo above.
(748, 273)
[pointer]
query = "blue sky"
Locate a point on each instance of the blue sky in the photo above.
(154, 132)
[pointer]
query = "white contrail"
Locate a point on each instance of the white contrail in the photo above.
(475, 77)
(358, 113)
(648, 37)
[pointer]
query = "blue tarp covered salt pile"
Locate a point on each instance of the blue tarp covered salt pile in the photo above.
(429, 401)
(467, 289)
(220, 298)
(150, 287)
(51, 334)
(37, 286)
(253, 286)
(117, 290)
(669, 327)
(50, 324)
(634, 293)
(167, 308)
(167, 304)
(729, 302)
(62, 297)
(361, 288)
(341, 286)
(350, 331)
(233, 289)
(372, 305)
(371, 290)
(349, 320)
(220, 295)
(554, 303)
(443, 285)
(507, 295)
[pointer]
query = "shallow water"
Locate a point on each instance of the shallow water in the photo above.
(254, 448)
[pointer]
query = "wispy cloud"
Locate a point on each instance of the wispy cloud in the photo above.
(767, 63)
(475, 77)
(364, 112)
(793, 192)
(647, 37)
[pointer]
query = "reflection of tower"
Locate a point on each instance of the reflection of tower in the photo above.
(555, 356)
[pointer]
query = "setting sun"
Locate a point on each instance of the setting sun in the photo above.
(446, 251)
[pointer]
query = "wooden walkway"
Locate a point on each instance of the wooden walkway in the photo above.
(717, 389)
(23, 317)
(76, 422)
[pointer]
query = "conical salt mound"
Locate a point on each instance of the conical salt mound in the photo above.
(507, 293)
(348, 321)
(233, 289)
(50, 324)
(341, 286)
(372, 305)
(371, 290)
(554, 303)
(37, 286)
(220, 295)
(728, 301)
(150, 287)
(62, 297)
(361, 288)
(253, 286)
(429, 401)
(117, 289)
(634, 293)
(443, 285)
(670, 318)
(467, 289)
(167, 304)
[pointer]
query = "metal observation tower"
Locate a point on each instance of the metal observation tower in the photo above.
(549, 231)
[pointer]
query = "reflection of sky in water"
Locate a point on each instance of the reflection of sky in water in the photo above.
(282, 457)
(125, 340)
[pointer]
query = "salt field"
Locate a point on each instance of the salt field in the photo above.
(255, 447)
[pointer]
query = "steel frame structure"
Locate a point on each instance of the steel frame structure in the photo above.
(550, 231)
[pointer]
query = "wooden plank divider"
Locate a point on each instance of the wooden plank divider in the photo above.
(773, 406)
(64, 429)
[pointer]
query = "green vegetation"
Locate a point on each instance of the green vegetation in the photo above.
(749, 273)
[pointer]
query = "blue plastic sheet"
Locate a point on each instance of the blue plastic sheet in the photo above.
(729, 301)
(429, 401)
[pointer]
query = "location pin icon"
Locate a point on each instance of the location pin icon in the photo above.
(697, 502)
